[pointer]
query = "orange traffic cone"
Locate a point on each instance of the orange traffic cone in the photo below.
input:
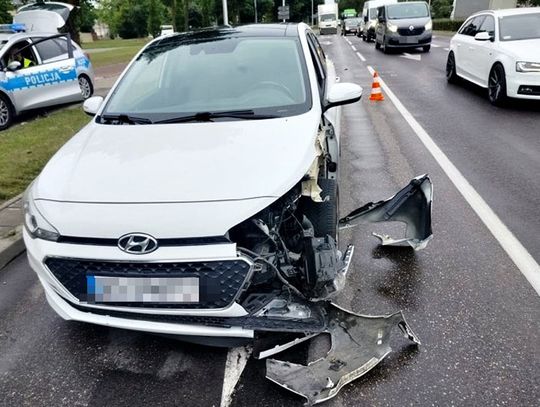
(376, 93)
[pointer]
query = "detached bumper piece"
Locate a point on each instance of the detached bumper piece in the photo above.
(411, 205)
(359, 343)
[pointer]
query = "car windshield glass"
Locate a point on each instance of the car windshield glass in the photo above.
(178, 77)
(406, 10)
(328, 17)
(352, 22)
(520, 27)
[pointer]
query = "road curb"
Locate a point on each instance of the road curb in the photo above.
(11, 246)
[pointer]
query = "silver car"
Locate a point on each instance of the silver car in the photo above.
(40, 69)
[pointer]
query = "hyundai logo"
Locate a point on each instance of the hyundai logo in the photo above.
(137, 243)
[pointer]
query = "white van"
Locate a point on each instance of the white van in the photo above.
(166, 29)
(369, 18)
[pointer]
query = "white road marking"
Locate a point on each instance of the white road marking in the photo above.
(346, 39)
(513, 247)
(359, 55)
(234, 366)
(353, 47)
(435, 45)
(415, 57)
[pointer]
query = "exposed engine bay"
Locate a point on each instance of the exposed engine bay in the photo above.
(298, 267)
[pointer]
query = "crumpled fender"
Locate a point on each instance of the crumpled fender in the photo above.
(412, 205)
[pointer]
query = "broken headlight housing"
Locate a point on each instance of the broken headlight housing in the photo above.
(35, 223)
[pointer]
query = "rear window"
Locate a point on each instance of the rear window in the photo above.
(53, 49)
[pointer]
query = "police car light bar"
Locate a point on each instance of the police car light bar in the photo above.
(12, 28)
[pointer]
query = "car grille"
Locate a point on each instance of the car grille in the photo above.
(415, 31)
(220, 282)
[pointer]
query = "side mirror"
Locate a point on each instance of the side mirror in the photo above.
(365, 19)
(91, 105)
(13, 66)
(381, 19)
(483, 36)
(342, 94)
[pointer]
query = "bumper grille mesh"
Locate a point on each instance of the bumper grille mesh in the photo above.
(219, 281)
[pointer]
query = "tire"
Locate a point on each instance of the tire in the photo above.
(451, 75)
(7, 113)
(324, 215)
(85, 84)
(385, 48)
(364, 38)
(497, 86)
(377, 45)
(426, 48)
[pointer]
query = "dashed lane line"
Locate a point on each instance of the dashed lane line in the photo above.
(353, 48)
(511, 245)
(359, 55)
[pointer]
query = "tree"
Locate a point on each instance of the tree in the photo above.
(529, 3)
(5, 17)
(441, 8)
(154, 17)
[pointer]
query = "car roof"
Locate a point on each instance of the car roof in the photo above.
(510, 11)
(250, 30)
(23, 35)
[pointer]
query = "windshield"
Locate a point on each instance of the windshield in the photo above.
(175, 78)
(328, 17)
(520, 27)
(407, 10)
(352, 22)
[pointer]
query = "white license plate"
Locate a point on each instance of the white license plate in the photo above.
(143, 289)
(410, 40)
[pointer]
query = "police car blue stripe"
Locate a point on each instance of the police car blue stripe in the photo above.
(32, 80)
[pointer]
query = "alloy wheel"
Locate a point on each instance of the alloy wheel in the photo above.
(86, 87)
(4, 113)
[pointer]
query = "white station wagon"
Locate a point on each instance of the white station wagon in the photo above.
(499, 50)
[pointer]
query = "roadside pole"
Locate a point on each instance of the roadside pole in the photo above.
(225, 13)
(283, 4)
(255, 5)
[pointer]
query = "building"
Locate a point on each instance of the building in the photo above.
(464, 8)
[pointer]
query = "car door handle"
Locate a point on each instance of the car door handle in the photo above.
(65, 68)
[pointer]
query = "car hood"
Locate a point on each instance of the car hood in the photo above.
(188, 162)
(527, 50)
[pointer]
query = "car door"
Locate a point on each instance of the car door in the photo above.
(482, 56)
(470, 47)
(51, 79)
(56, 55)
(464, 43)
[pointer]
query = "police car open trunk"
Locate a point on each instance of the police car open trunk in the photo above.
(45, 17)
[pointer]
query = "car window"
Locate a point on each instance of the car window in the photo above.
(22, 52)
(488, 26)
(471, 28)
(177, 77)
(406, 10)
(53, 49)
(320, 53)
(519, 27)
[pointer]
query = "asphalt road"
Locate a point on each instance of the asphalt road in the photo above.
(477, 316)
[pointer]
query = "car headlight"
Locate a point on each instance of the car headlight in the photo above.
(522, 66)
(391, 27)
(429, 25)
(34, 222)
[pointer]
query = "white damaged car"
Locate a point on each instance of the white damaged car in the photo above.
(202, 201)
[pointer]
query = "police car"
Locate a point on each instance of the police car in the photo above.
(40, 69)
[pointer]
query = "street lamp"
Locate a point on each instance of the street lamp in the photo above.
(225, 13)
(255, 5)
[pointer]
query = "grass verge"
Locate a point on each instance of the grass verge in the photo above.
(136, 42)
(116, 56)
(25, 148)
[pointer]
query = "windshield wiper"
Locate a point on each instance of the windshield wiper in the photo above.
(124, 119)
(209, 116)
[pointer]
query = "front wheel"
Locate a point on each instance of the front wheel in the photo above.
(6, 112)
(426, 48)
(324, 215)
(497, 86)
(451, 75)
(377, 44)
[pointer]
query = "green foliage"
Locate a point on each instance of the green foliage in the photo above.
(529, 3)
(5, 6)
(87, 16)
(441, 8)
(445, 24)
(155, 16)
